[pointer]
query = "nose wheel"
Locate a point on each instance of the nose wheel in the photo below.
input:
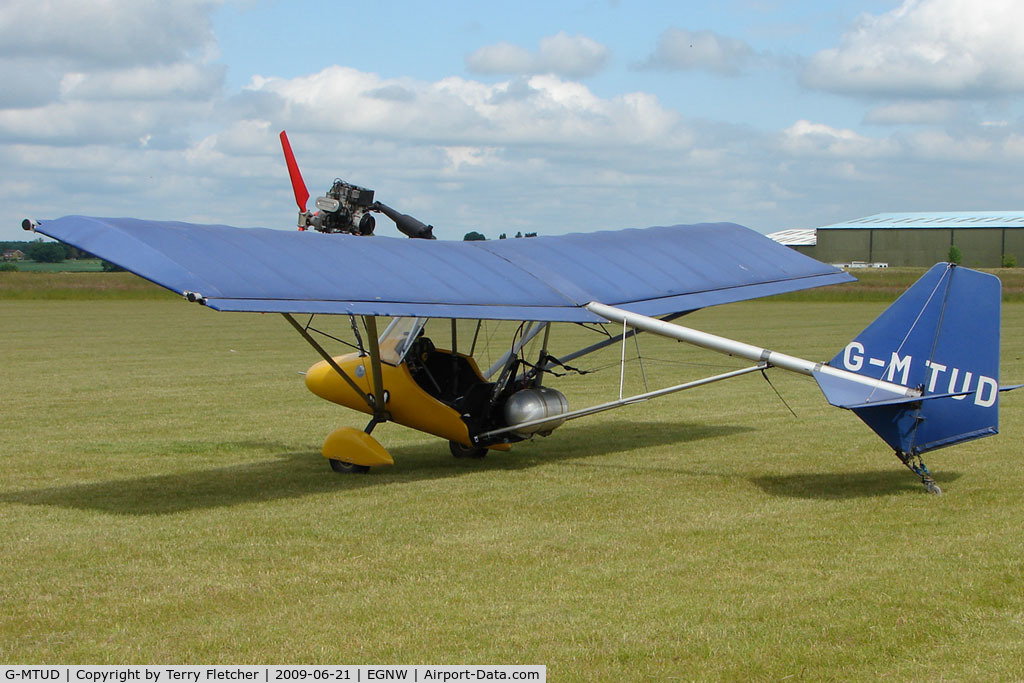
(347, 467)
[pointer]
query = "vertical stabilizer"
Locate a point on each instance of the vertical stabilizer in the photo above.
(941, 337)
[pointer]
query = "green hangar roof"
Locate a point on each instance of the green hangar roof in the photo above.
(934, 219)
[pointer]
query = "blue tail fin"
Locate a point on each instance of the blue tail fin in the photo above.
(942, 337)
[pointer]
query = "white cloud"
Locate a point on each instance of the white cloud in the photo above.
(74, 123)
(178, 81)
(805, 138)
(106, 32)
(501, 58)
(913, 112)
(560, 54)
(1013, 146)
(459, 157)
(127, 73)
(937, 145)
(540, 109)
(928, 48)
(149, 131)
(679, 49)
(447, 150)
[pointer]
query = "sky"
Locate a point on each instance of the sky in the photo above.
(575, 116)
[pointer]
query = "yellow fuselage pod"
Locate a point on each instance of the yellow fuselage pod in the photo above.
(408, 404)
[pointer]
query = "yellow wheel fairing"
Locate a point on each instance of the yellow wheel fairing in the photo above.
(356, 447)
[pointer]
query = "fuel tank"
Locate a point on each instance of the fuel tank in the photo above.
(535, 404)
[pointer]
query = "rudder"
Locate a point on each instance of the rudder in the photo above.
(942, 337)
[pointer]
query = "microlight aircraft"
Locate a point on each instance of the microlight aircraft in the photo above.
(924, 375)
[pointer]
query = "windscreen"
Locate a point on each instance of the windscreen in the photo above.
(398, 337)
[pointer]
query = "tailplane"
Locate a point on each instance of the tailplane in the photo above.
(940, 337)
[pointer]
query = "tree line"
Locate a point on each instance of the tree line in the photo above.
(49, 252)
(46, 252)
(474, 236)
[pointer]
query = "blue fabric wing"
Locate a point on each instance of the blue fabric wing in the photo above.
(653, 271)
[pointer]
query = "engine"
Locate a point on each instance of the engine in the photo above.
(345, 208)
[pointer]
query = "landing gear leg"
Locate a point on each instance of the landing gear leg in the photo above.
(371, 424)
(916, 465)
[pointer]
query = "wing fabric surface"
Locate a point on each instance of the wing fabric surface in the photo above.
(653, 271)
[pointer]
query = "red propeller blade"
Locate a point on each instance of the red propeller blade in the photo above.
(301, 193)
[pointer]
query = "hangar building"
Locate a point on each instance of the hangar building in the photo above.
(804, 240)
(984, 238)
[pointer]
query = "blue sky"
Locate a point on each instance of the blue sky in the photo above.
(587, 115)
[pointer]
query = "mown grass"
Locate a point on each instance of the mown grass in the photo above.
(94, 265)
(885, 284)
(163, 500)
(63, 285)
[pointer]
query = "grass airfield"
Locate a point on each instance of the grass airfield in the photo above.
(163, 500)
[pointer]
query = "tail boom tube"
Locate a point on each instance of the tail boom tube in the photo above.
(883, 390)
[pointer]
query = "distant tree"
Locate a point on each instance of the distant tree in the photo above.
(8, 267)
(474, 236)
(530, 234)
(109, 267)
(20, 245)
(1009, 261)
(502, 236)
(519, 234)
(46, 252)
(74, 253)
(955, 256)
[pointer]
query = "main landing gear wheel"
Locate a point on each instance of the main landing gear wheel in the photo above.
(347, 467)
(460, 451)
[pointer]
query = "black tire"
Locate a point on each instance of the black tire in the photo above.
(460, 451)
(347, 467)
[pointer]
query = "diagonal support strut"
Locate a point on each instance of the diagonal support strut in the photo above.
(330, 360)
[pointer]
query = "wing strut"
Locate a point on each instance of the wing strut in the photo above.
(330, 361)
(380, 413)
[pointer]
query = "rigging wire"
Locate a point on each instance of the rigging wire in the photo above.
(309, 328)
(639, 357)
(766, 379)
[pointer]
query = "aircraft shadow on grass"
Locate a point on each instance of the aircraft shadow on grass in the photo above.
(846, 485)
(296, 473)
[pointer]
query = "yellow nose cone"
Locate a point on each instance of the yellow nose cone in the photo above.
(318, 380)
(324, 381)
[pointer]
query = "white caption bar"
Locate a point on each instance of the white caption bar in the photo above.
(269, 674)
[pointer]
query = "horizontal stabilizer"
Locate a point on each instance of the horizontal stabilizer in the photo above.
(844, 393)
